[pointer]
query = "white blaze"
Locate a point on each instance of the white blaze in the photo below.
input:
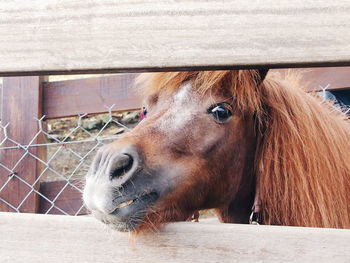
(182, 109)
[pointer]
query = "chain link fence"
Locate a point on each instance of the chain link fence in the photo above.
(69, 147)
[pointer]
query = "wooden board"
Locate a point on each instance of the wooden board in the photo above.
(92, 95)
(51, 37)
(46, 238)
(21, 104)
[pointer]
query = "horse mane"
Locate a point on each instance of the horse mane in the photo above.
(302, 161)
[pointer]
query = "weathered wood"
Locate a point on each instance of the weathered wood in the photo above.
(21, 104)
(69, 200)
(47, 238)
(93, 95)
(50, 37)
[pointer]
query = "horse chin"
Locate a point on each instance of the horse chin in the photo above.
(130, 214)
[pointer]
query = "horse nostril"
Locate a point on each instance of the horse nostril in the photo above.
(122, 164)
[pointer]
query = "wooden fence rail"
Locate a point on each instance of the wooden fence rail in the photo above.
(83, 239)
(92, 95)
(51, 37)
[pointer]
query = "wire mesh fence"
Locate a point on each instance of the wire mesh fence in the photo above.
(56, 188)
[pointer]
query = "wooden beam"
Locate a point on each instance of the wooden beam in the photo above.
(93, 95)
(51, 37)
(48, 238)
(21, 104)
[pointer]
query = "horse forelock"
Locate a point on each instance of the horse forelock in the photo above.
(240, 85)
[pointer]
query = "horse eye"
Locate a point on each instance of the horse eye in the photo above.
(220, 112)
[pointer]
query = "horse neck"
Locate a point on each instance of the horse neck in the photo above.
(238, 210)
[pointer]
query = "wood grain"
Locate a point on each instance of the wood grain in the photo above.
(47, 238)
(93, 95)
(76, 36)
(21, 104)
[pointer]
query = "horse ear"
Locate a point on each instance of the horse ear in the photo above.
(262, 74)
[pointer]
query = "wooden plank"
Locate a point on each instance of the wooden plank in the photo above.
(47, 238)
(51, 37)
(20, 105)
(93, 95)
(69, 200)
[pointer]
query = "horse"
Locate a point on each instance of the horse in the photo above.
(230, 141)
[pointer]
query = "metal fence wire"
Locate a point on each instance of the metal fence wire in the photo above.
(57, 186)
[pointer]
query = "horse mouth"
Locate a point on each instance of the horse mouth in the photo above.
(129, 214)
(138, 202)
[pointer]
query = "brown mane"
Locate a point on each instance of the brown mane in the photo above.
(303, 156)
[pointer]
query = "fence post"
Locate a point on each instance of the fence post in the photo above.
(21, 104)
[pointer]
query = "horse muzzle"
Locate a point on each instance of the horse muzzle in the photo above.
(118, 191)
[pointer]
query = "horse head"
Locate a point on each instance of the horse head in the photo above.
(206, 142)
